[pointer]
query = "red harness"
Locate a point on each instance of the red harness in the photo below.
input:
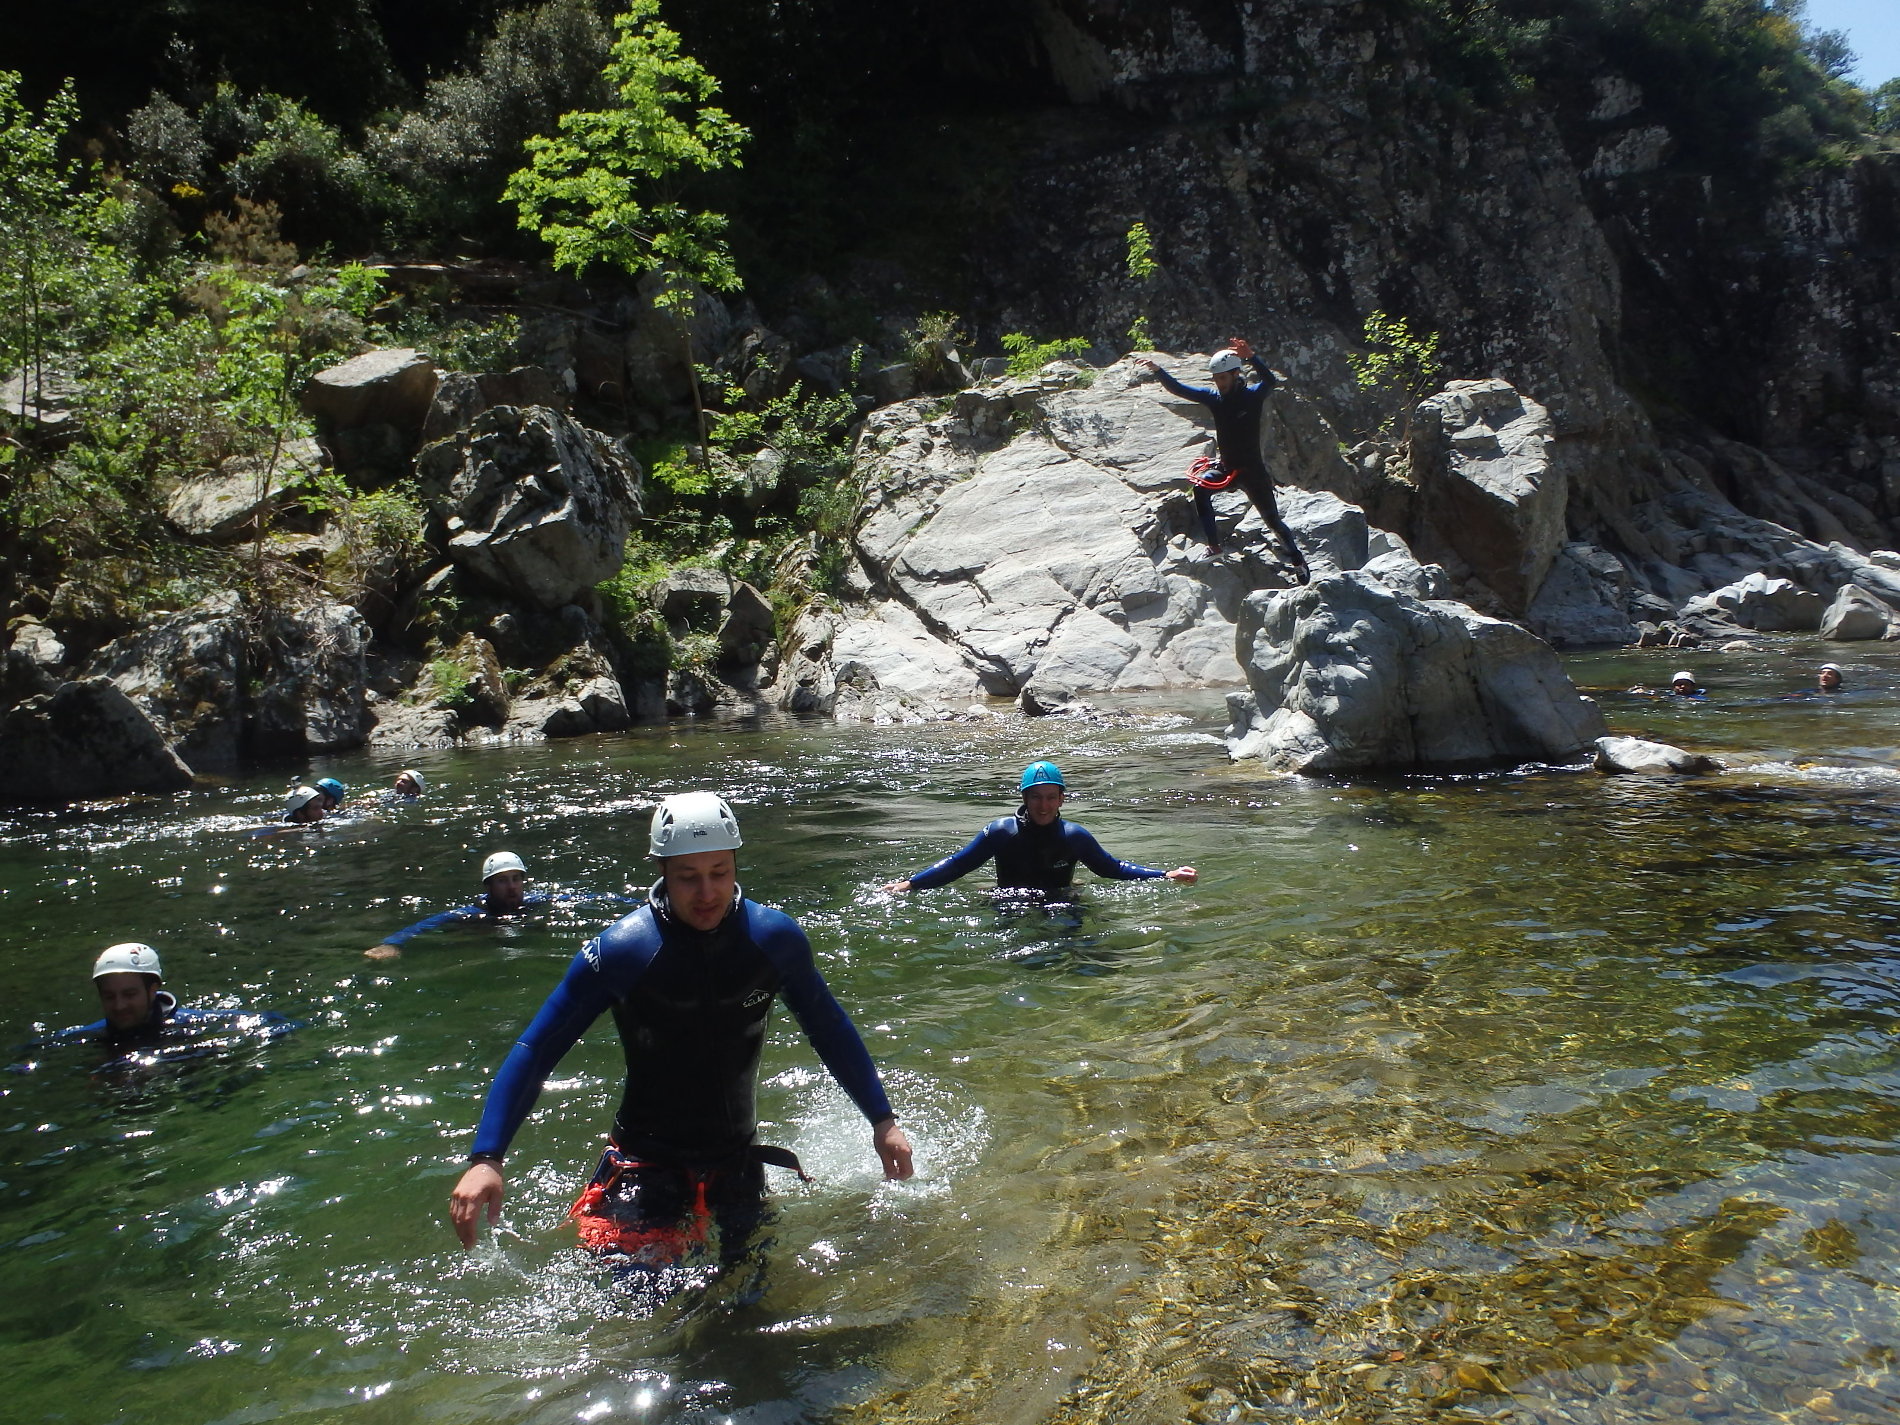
(1199, 478)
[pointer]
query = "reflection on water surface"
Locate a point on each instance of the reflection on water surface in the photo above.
(1535, 1097)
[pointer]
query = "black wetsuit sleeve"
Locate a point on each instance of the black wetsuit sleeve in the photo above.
(1265, 372)
(959, 863)
(581, 997)
(1090, 853)
(819, 1014)
(1203, 394)
(434, 922)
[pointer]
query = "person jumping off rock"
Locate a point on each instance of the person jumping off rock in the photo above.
(1237, 407)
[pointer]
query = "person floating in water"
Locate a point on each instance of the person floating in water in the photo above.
(410, 784)
(332, 791)
(1035, 849)
(1237, 407)
(690, 978)
(504, 895)
(140, 1013)
(1828, 679)
(1682, 684)
(305, 806)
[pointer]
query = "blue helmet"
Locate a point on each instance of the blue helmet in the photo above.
(1042, 774)
(330, 787)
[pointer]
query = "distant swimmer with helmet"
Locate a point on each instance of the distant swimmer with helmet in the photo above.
(690, 978)
(1237, 407)
(504, 895)
(1035, 849)
(410, 784)
(140, 1013)
(332, 791)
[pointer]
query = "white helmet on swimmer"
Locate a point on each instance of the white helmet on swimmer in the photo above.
(1684, 676)
(422, 783)
(1226, 359)
(134, 957)
(693, 821)
(300, 798)
(501, 861)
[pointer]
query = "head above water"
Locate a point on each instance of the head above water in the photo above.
(1043, 790)
(411, 783)
(332, 790)
(304, 804)
(126, 978)
(504, 880)
(1829, 676)
(694, 836)
(1677, 680)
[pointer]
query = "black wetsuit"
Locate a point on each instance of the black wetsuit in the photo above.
(691, 1007)
(1237, 430)
(1032, 858)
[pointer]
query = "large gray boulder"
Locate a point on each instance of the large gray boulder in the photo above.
(1765, 604)
(1856, 615)
(84, 739)
(1347, 675)
(533, 502)
(370, 410)
(1584, 600)
(1481, 456)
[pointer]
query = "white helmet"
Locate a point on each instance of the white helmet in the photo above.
(132, 958)
(693, 821)
(1685, 676)
(1226, 359)
(300, 798)
(422, 783)
(501, 861)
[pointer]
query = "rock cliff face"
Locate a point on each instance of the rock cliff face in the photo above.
(1301, 166)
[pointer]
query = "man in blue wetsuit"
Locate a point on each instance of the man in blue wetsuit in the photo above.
(689, 978)
(1237, 407)
(504, 893)
(1036, 850)
(138, 1012)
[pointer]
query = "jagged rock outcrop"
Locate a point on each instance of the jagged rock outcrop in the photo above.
(533, 502)
(225, 683)
(1618, 756)
(1347, 675)
(228, 503)
(1481, 456)
(84, 739)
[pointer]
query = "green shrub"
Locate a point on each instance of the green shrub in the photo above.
(452, 684)
(1027, 356)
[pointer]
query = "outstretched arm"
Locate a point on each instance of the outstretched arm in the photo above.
(960, 863)
(1202, 394)
(392, 946)
(1090, 853)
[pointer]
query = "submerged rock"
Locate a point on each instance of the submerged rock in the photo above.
(1616, 755)
(84, 739)
(1347, 675)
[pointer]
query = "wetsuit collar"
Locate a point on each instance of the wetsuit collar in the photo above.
(164, 1006)
(1030, 827)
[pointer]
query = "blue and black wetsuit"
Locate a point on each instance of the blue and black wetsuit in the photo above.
(1237, 431)
(1032, 858)
(480, 910)
(168, 1015)
(691, 1007)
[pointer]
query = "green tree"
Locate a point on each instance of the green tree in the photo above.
(1401, 363)
(606, 188)
(41, 225)
(1142, 266)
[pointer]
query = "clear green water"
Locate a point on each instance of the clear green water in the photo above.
(1531, 1097)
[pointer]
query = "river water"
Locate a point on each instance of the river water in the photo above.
(1529, 1097)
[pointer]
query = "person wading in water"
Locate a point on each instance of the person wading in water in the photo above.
(1237, 407)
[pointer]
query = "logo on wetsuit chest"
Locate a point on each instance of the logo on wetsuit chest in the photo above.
(756, 997)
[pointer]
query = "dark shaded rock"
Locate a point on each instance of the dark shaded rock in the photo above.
(463, 396)
(370, 409)
(84, 739)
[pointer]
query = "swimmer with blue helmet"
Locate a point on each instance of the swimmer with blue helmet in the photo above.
(1035, 849)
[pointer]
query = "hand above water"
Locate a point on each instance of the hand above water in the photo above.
(896, 888)
(1186, 875)
(481, 1184)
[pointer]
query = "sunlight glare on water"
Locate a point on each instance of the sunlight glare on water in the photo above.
(1530, 1097)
